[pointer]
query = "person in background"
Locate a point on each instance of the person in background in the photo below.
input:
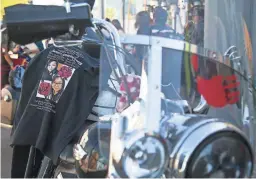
(22, 55)
(6, 61)
(197, 35)
(118, 26)
(18, 56)
(31, 50)
(160, 28)
(143, 23)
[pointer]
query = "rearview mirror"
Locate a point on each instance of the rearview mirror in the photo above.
(30, 23)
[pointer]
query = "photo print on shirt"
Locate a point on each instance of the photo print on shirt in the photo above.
(56, 82)
(58, 71)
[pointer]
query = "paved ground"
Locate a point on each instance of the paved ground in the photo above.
(254, 173)
(6, 152)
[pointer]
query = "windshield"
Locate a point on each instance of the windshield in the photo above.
(181, 57)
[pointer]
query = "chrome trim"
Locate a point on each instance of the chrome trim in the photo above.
(233, 55)
(111, 29)
(80, 5)
(199, 109)
(187, 133)
(78, 152)
(115, 38)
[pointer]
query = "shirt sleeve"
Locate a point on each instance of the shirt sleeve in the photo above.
(40, 45)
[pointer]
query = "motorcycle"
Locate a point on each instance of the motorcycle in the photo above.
(155, 140)
(189, 115)
(160, 135)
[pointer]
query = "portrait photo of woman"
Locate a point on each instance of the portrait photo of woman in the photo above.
(51, 71)
(58, 86)
(55, 78)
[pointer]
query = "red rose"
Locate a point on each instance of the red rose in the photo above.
(44, 88)
(65, 72)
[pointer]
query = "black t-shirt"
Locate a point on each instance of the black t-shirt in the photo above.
(52, 110)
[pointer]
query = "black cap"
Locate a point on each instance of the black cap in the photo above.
(197, 11)
(142, 18)
(160, 14)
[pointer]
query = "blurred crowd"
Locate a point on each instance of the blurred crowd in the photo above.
(16, 57)
(156, 22)
(14, 60)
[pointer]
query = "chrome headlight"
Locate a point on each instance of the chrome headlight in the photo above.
(144, 156)
(90, 161)
(224, 155)
(211, 149)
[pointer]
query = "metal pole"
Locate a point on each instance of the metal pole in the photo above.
(153, 98)
(173, 9)
(175, 20)
(253, 35)
(124, 25)
(103, 9)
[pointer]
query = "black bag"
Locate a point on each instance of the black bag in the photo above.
(31, 23)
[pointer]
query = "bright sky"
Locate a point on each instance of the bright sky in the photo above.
(48, 2)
